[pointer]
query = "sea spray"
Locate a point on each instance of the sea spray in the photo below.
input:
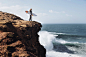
(46, 39)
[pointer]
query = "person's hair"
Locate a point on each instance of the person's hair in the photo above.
(30, 9)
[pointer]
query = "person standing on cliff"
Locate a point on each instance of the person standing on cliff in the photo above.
(30, 19)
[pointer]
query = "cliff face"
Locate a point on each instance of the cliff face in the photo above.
(19, 38)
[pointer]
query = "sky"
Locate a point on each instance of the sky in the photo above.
(48, 11)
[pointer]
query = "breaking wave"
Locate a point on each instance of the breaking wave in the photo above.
(56, 47)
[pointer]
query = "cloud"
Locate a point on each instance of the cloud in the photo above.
(63, 11)
(0, 3)
(42, 14)
(15, 9)
(51, 11)
(68, 15)
(11, 7)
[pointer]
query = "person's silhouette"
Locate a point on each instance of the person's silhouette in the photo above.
(30, 19)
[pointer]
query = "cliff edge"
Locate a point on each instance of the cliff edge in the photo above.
(19, 38)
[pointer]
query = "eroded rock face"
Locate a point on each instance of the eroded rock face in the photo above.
(19, 38)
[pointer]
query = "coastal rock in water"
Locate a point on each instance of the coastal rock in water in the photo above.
(19, 38)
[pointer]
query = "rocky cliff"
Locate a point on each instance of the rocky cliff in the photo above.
(19, 38)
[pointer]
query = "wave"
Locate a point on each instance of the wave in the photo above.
(68, 42)
(72, 45)
(48, 40)
(59, 54)
(56, 33)
(64, 35)
(61, 37)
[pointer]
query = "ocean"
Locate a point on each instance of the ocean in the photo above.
(63, 40)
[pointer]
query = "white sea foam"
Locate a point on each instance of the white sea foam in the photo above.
(46, 40)
(59, 54)
(64, 42)
(56, 33)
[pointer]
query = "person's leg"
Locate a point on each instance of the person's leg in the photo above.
(30, 18)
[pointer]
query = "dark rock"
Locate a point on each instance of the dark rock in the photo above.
(19, 38)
